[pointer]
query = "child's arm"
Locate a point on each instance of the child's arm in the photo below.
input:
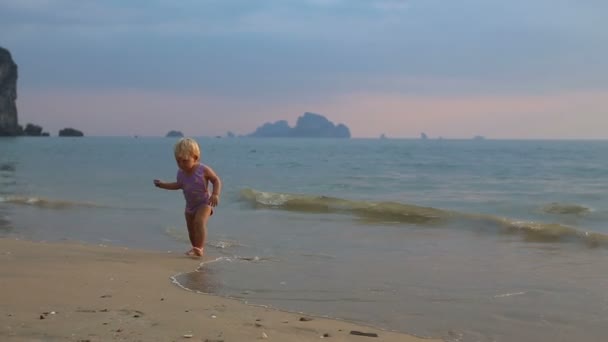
(166, 186)
(211, 176)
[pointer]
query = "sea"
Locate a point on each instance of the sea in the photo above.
(464, 240)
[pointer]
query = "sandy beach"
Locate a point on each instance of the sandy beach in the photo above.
(75, 292)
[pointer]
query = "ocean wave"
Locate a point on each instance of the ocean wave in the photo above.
(387, 212)
(401, 213)
(554, 232)
(46, 203)
(224, 244)
(566, 209)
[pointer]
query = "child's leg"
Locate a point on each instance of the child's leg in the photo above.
(190, 225)
(200, 226)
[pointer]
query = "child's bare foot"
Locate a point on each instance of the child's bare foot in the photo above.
(198, 251)
(195, 252)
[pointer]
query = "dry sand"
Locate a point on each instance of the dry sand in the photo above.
(74, 292)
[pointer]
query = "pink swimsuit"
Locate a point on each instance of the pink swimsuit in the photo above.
(194, 187)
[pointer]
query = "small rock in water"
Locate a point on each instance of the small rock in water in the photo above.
(187, 336)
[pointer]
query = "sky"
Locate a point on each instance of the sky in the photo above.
(519, 69)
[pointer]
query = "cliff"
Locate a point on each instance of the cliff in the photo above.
(8, 95)
(309, 125)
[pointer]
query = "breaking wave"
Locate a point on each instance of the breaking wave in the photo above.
(47, 203)
(389, 212)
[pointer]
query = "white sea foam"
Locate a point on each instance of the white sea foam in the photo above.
(510, 294)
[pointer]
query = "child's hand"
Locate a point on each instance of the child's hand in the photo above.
(214, 200)
(157, 183)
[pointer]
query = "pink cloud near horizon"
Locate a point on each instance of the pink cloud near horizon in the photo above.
(563, 115)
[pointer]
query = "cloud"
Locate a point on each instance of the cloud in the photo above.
(391, 5)
(308, 51)
(559, 115)
(154, 14)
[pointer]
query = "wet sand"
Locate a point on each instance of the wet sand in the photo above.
(75, 292)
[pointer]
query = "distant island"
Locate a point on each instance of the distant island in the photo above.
(309, 125)
(32, 130)
(174, 134)
(70, 132)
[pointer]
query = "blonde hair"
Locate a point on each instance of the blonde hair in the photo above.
(187, 147)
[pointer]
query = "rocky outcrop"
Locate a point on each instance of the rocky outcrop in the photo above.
(70, 132)
(279, 129)
(32, 130)
(9, 124)
(309, 125)
(175, 134)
